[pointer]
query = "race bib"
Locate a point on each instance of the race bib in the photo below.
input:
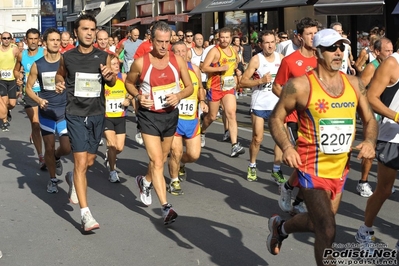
(336, 135)
(228, 83)
(6, 74)
(87, 85)
(48, 79)
(114, 105)
(268, 86)
(159, 94)
(187, 107)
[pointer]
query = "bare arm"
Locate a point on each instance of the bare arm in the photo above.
(361, 60)
(185, 77)
(17, 70)
(60, 76)
(213, 56)
(370, 128)
(385, 75)
(277, 89)
(201, 91)
(290, 100)
(107, 73)
(246, 80)
(120, 49)
(29, 86)
(367, 74)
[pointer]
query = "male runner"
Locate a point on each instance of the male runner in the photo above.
(159, 73)
(325, 137)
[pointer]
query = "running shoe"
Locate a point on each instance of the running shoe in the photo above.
(251, 176)
(145, 192)
(202, 140)
(175, 189)
(52, 186)
(4, 128)
(364, 189)
(58, 167)
(42, 163)
(168, 214)
(278, 177)
(88, 222)
(284, 201)
(366, 240)
(226, 136)
(275, 239)
(182, 173)
(236, 150)
(113, 177)
(139, 138)
(73, 197)
(296, 209)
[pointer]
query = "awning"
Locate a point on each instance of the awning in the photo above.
(72, 17)
(265, 4)
(396, 10)
(345, 7)
(218, 6)
(108, 12)
(127, 23)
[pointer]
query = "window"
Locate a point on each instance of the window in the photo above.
(18, 3)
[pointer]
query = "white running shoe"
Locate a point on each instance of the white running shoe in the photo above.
(366, 240)
(113, 177)
(202, 140)
(88, 222)
(139, 138)
(145, 192)
(284, 201)
(296, 209)
(364, 189)
(73, 197)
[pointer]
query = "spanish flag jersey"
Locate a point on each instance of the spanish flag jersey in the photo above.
(226, 80)
(188, 106)
(327, 130)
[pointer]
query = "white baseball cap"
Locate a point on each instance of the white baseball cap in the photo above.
(327, 37)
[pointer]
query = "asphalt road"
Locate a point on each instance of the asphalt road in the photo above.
(222, 217)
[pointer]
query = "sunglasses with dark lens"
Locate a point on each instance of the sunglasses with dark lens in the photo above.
(284, 37)
(6, 38)
(189, 36)
(334, 47)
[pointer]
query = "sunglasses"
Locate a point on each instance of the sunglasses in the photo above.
(6, 38)
(189, 36)
(334, 47)
(284, 37)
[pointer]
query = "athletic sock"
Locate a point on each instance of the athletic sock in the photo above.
(287, 186)
(84, 210)
(297, 201)
(276, 168)
(252, 164)
(174, 179)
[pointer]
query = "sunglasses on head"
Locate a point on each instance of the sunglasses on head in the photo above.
(334, 47)
(6, 38)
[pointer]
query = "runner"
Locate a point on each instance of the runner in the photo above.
(26, 60)
(116, 103)
(159, 73)
(259, 76)
(52, 106)
(220, 64)
(82, 74)
(8, 86)
(382, 94)
(321, 162)
(383, 48)
(188, 126)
